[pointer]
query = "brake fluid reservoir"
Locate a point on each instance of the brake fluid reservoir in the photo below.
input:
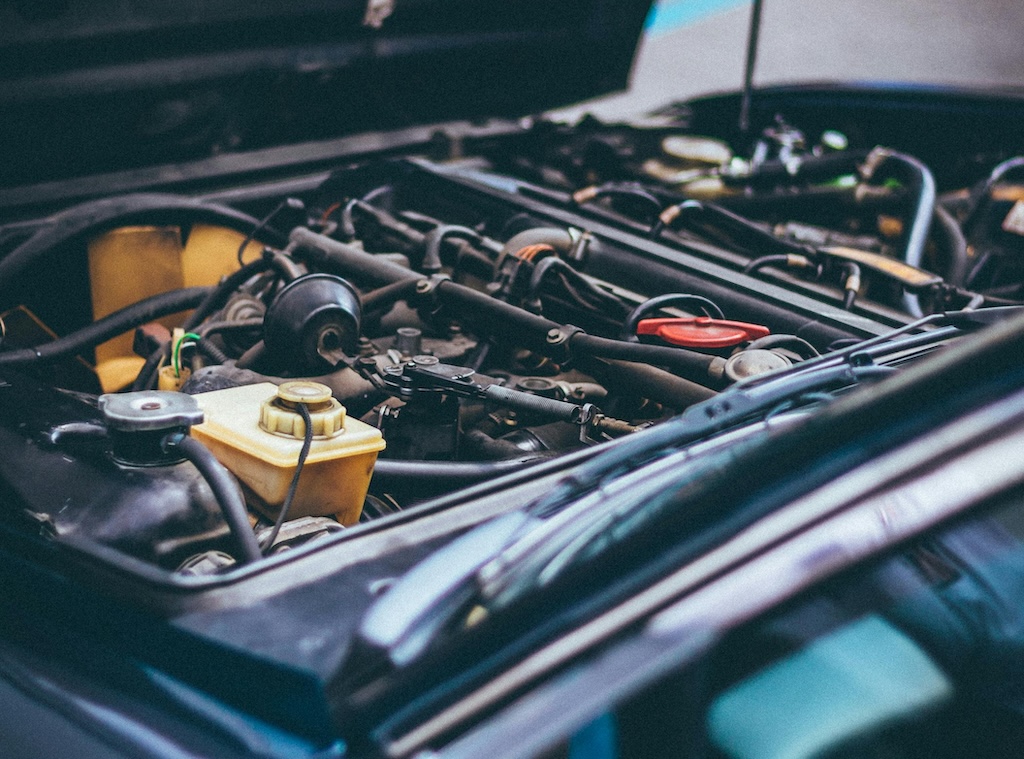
(256, 431)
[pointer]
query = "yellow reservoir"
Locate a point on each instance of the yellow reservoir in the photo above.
(337, 472)
(131, 263)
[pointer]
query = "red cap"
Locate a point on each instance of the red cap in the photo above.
(701, 331)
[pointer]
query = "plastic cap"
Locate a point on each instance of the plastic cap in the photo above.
(701, 331)
(310, 393)
(280, 415)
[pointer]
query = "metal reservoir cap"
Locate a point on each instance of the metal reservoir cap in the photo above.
(139, 422)
(280, 415)
(149, 410)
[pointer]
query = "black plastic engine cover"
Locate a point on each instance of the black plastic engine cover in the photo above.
(57, 476)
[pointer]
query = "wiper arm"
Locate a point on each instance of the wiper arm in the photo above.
(403, 622)
(728, 409)
(405, 619)
(764, 393)
(480, 565)
(948, 324)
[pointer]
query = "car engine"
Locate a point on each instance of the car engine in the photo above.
(197, 381)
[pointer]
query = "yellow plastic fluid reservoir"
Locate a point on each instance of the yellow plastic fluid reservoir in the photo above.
(131, 263)
(256, 431)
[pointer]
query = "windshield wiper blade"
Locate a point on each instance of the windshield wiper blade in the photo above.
(406, 619)
(403, 621)
(728, 409)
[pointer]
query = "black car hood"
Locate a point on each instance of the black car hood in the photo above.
(99, 86)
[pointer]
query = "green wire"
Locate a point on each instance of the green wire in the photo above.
(178, 345)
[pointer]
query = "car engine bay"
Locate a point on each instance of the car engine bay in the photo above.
(401, 328)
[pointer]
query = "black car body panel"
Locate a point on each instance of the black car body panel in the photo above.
(591, 360)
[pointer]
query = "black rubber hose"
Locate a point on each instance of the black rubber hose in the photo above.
(690, 364)
(293, 204)
(586, 292)
(388, 473)
(883, 163)
(648, 382)
(709, 218)
(385, 297)
(497, 317)
(950, 235)
(219, 295)
(651, 305)
(431, 262)
(391, 224)
(225, 490)
(293, 486)
(341, 258)
(110, 326)
(614, 190)
(546, 264)
(800, 346)
(490, 448)
(91, 218)
(557, 238)
(805, 169)
(981, 192)
(144, 380)
(252, 357)
(759, 263)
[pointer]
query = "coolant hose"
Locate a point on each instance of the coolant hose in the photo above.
(981, 192)
(225, 490)
(110, 326)
(431, 263)
(93, 217)
(883, 163)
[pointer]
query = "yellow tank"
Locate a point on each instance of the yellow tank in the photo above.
(256, 431)
(131, 263)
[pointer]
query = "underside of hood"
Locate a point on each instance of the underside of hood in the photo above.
(102, 86)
